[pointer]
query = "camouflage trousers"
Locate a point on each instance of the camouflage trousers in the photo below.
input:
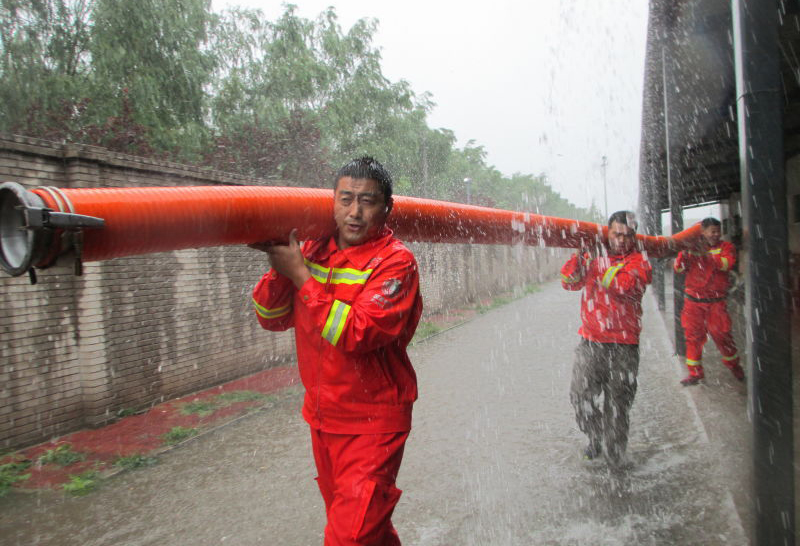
(608, 370)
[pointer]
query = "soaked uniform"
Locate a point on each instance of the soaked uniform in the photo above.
(705, 309)
(353, 320)
(607, 357)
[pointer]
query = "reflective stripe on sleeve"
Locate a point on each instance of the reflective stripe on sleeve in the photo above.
(277, 312)
(609, 275)
(569, 280)
(724, 261)
(336, 321)
(729, 358)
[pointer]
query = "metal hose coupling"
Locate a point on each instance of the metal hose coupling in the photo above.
(34, 235)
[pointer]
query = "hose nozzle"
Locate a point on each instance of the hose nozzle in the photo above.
(29, 229)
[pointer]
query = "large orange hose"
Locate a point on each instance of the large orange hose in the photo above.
(145, 220)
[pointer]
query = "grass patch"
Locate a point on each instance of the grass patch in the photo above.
(228, 398)
(212, 404)
(135, 461)
(11, 473)
(178, 434)
(200, 407)
(125, 412)
(531, 289)
(62, 456)
(426, 329)
(496, 302)
(82, 483)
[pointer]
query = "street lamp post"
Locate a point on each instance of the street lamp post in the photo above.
(604, 164)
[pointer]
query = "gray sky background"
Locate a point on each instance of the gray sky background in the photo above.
(547, 86)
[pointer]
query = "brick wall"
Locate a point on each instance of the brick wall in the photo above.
(133, 332)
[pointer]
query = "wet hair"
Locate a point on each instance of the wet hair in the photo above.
(625, 217)
(369, 168)
(708, 222)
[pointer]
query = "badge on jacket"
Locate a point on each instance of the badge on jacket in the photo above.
(391, 287)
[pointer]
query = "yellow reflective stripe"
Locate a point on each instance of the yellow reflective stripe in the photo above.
(341, 275)
(319, 273)
(277, 312)
(729, 358)
(715, 251)
(610, 273)
(724, 261)
(346, 275)
(336, 321)
(569, 280)
(692, 362)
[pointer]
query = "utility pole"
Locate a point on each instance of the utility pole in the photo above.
(604, 164)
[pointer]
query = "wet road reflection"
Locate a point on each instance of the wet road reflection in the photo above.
(494, 458)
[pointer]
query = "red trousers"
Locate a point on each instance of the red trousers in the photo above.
(356, 476)
(700, 319)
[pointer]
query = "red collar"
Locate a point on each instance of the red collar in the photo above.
(358, 255)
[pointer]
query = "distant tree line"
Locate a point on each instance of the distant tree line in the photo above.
(289, 99)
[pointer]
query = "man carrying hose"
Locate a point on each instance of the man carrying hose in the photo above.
(613, 279)
(353, 299)
(705, 309)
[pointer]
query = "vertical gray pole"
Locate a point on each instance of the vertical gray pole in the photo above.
(675, 212)
(604, 164)
(761, 157)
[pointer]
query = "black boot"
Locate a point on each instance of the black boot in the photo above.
(593, 450)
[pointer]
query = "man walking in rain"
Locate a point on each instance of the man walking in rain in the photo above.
(354, 302)
(613, 279)
(705, 309)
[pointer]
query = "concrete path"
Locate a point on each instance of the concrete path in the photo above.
(494, 458)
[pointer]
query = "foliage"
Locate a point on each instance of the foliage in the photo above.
(425, 330)
(135, 461)
(62, 455)
(125, 412)
(178, 434)
(531, 289)
(200, 407)
(227, 398)
(82, 484)
(288, 100)
(11, 473)
(496, 302)
(210, 405)
(152, 51)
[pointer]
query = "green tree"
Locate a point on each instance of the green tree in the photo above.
(153, 52)
(44, 70)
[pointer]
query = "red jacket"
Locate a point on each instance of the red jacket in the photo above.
(353, 320)
(707, 272)
(611, 304)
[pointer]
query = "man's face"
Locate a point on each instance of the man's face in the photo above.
(621, 238)
(712, 235)
(359, 209)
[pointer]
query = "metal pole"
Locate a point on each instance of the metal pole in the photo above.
(761, 158)
(605, 190)
(676, 216)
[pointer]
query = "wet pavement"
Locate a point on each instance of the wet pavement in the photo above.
(494, 457)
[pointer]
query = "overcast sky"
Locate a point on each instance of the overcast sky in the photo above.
(547, 86)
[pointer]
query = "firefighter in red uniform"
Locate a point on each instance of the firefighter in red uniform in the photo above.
(705, 310)
(354, 302)
(613, 280)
